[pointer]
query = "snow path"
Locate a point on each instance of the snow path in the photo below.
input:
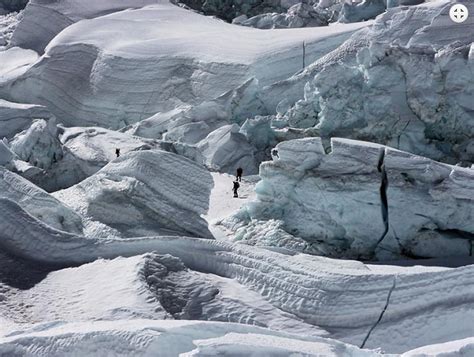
(222, 203)
(344, 297)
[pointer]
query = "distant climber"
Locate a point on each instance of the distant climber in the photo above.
(236, 187)
(117, 152)
(238, 177)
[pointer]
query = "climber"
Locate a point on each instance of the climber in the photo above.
(238, 177)
(236, 187)
(117, 152)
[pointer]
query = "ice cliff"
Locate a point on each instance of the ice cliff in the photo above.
(363, 200)
(16, 117)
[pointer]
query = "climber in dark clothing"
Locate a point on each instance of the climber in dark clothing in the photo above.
(235, 188)
(238, 177)
(117, 152)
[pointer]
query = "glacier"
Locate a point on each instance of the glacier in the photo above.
(123, 124)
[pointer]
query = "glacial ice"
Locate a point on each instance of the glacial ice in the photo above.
(38, 203)
(8, 23)
(121, 80)
(226, 149)
(346, 298)
(299, 15)
(411, 87)
(268, 14)
(15, 117)
(165, 192)
(39, 145)
(131, 244)
(362, 200)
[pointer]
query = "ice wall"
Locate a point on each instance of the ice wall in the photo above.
(365, 200)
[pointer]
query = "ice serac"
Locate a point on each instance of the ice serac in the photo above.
(164, 193)
(346, 298)
(38, 203)
(411, 87)
(88, 149)
(365, 200)
(226, 149)
(39, 144)
(134, 64)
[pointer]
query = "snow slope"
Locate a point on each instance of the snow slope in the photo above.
(344, 297)
(144, 193)
(133, 64)
(365, 200)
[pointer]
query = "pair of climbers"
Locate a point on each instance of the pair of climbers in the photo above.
(238, 178)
